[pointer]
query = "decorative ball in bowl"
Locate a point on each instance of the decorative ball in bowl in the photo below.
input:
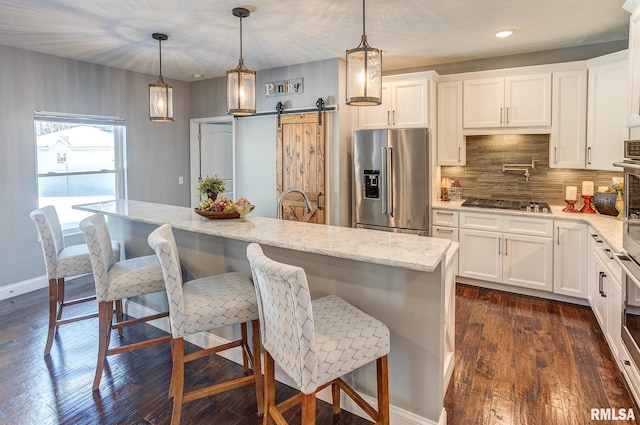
(223, 207)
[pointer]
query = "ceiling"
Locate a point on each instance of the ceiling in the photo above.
(204, 35)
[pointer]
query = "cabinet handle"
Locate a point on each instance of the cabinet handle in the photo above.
(444, 213)
(459, 151)
(589, 155)
(499, 245)
(318, 201)
(388, 120)
(501, 115)
(394, 117)
(558, 238)
(507, 114)
(601, 277)
(506, 246)
(555, 155)
(445, 230)
(608, 252)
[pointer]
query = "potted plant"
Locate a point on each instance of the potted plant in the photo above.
(211, 186)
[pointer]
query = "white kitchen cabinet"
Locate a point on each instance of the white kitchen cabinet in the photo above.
(516, 101)
(570, 259)
(567, 142)
(451, 146)
(405, 104)
(523, 256)
(607, 111)
(599, 305)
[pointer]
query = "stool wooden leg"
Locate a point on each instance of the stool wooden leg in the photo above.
(60, 300)
(269, 388)
(119, 316)
(335, 395)
(177, 378)
(53, 307)
(245, 359)
(257, 365)
(309, 409)
(382, 367)
(104, 330)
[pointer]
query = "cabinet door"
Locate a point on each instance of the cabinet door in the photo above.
(409, 101)
(450, 139)
(372, 117)
(480, 255)
(600, 302)
(483, 103)
(528, 101)
(592, 278)
(614, 315)
(634, 70)
(567, 142)
(528, 262)
(606, 117)
(570, 259)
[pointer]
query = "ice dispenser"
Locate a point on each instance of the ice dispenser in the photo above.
(371, 184)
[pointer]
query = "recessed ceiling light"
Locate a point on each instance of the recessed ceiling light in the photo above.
(504, 33)
(196, 76)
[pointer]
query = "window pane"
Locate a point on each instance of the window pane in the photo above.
(78, 162)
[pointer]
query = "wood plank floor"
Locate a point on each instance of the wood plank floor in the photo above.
(525, 360)
(520, 360)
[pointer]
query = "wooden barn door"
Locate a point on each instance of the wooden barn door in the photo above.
(300, 165)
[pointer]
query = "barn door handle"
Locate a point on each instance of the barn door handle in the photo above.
(319, 203)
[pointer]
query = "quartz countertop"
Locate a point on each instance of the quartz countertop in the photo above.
(607, 226)
(371, 246)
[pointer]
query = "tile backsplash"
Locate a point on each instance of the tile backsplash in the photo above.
(482, 177)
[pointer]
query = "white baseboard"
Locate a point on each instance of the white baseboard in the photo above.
(19, 288)
(398, 416)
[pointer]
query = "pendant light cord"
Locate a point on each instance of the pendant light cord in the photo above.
(364, 32)
(240, 38)
(160, 48)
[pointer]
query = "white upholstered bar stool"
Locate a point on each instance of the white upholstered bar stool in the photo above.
(314, 342)
(201, 305)
(62, 262)
(116, 281)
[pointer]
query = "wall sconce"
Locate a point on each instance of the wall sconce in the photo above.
(364, 72)
(160, 93)
(241, 82)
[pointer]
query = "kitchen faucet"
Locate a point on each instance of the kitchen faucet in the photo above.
(307, 203)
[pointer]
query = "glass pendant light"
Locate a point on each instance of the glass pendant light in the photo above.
(241, 82)
(364, 73)
(160, 93)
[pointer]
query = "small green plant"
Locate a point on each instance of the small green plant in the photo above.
(210, 185)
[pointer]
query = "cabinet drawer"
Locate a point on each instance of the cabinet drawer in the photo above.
(528, 226)
(604, 251)
(481, 221)
(445, 218)
(445, 233)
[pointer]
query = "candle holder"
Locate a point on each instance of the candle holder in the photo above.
(444, 194)
(587, 208)
(570, 208)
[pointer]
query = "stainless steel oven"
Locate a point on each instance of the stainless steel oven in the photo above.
(629, 260)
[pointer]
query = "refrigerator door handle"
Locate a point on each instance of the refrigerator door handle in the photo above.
(383, 179)
(390, 180)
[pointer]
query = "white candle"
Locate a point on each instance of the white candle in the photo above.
(587, 188)
(571, 193)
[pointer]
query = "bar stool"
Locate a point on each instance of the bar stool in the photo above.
(314, 342)
(204, 304)
(62, 262)
(116, 281)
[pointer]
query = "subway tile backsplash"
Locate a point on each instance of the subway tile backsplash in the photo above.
(482, 177)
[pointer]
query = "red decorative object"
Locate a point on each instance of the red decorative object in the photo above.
(570, 208)
(587, 208)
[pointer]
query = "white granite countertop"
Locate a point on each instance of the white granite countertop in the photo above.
(607, 226)
(372, 246)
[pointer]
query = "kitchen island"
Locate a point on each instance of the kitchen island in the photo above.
(406, 281)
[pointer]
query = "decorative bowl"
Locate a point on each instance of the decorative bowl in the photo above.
(605, 203)
(219, 215)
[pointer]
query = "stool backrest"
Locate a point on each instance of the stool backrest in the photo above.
(51, 239)
(286, 317)
(164, 244)
(96, 235)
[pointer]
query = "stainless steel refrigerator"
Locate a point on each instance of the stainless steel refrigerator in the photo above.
(392, 180)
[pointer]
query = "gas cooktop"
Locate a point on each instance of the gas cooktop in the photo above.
(528, 206)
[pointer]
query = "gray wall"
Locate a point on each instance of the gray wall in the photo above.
(156, 153)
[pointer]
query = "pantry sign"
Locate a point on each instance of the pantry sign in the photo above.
(284, 87)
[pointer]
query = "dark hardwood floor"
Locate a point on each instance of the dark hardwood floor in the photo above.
(519, 360)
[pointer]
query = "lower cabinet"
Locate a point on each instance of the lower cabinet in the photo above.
(570, 259)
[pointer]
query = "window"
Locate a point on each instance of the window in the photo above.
(80, 160)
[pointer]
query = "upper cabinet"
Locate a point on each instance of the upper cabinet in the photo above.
(515, 101)
(633, 100)
(405, 103)
(451, 146)
(607, 111)
(567, 142)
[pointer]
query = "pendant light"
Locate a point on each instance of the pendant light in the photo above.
(364, 72)
(160, 93)
(241, 82)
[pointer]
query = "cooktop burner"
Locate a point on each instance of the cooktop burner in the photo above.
(533, 206)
